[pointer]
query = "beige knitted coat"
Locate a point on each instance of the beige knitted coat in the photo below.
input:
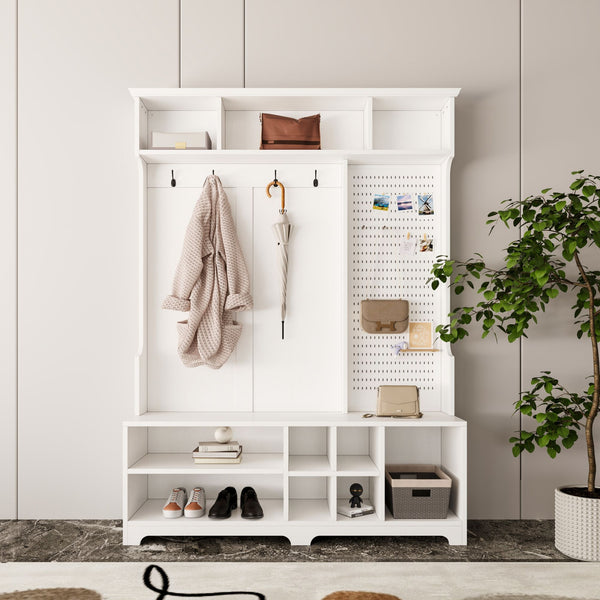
(211, 282)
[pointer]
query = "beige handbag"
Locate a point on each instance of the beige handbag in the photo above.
(384, 316)
(398, 401)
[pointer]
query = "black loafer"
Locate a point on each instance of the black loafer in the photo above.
(251, 508)
(226, 502)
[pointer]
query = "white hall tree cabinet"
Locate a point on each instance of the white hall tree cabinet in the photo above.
(296, 405)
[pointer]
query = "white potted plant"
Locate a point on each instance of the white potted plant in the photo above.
(555, 228)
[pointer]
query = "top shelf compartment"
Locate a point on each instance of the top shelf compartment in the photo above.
(352, 121)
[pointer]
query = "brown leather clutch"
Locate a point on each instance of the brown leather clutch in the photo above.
(285, 133)
(384, 316)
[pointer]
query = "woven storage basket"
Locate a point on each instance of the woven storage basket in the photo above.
(577, 525)
(414, 498)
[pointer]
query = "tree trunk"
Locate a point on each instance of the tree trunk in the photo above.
(589, 424)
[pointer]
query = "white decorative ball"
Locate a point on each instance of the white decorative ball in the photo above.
(223, 434)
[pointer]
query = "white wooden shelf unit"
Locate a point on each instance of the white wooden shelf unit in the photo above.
(296, 405)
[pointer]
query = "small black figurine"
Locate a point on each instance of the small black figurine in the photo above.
(356, 490)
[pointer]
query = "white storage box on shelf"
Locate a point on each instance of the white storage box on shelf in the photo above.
(296, 405)
(194, 140)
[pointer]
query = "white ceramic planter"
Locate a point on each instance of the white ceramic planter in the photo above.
(577, 525)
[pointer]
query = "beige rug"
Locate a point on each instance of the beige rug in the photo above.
(313, 581)
(53, 594)
(81, 594)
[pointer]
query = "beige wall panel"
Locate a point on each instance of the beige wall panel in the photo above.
(8, 259)
(212, 43)
(472, 44)
(561, 122)
(78, 241)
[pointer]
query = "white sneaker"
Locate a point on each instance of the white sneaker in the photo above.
(175, 503)
(196, 506)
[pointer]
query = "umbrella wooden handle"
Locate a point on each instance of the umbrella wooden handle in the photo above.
(277, 184)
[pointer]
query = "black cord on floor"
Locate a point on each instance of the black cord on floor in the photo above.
(164, 591)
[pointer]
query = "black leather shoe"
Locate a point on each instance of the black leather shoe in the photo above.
(251, 508)
(226, 502)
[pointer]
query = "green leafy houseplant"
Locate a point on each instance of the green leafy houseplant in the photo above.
(555, 228)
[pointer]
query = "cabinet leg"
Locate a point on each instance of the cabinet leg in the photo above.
(458, 538)
(131, 539)
(300, 538)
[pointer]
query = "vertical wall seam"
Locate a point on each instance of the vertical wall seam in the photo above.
(520, 235)
(179, 41)
(16, 265)
(251, 193)
(17, 259)
(253, 296)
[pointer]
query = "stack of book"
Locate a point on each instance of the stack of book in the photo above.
(360, 511)
(217, 453)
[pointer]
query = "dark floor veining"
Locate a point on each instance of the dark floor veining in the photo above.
(100, 541)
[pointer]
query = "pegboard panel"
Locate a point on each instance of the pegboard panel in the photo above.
(381, 266)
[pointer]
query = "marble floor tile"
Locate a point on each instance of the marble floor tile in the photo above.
(100, 541)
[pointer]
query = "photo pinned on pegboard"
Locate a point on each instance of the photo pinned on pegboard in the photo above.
(404, 202)
(426, 243)
(408, 245)
(381, 201)
(426, 204)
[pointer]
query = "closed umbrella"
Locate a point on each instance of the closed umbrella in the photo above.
(282, 230)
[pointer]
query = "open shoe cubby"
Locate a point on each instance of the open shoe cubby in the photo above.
(296, 405)
(299, 471)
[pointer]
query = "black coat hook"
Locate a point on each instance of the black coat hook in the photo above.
(315, 180)
(275, 179)
(213, 171)
(173, 182)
